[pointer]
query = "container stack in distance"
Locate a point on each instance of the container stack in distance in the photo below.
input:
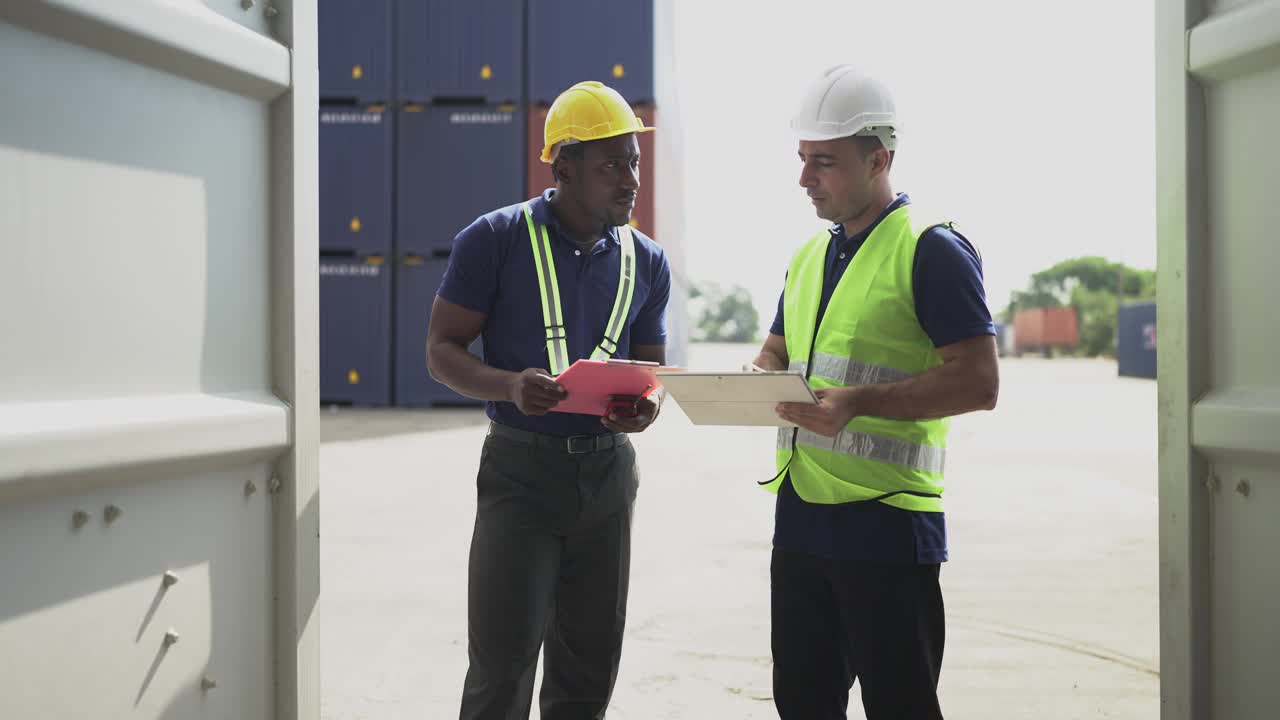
(459, 90)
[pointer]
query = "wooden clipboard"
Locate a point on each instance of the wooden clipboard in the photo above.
(736, 398)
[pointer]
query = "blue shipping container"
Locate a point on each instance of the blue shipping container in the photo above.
(419, 279)
(355, 330)
(1136, 341)
(355, 50)
(575, 40)
(453, 165)
(355, 179)
(460, 49)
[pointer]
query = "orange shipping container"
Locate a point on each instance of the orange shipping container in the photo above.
(539, 173)
(1046, 328)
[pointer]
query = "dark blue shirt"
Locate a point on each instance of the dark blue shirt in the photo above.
(491, 271)
(951, 305)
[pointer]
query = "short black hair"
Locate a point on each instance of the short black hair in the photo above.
(868, 144)
(571, 152)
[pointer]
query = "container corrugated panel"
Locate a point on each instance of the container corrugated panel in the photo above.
(1136, 341)
(355, 330)
(355, 50)
(569, 42)
(355, 179)
(539, 173)
(1046, 327)
(454, 164)
(468, 49)
(419, 279)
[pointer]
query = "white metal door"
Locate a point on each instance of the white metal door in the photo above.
(158, 352)
(1218, 155)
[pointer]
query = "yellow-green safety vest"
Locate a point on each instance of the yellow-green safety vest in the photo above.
(869, 334)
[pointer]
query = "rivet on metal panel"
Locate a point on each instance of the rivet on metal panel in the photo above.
(274, 485)
(246, 4)
(79, 519)
(170, 579)
(1242, 487)
(112, 513)
(207, 683)
(170, 637)
(250, 488)
(1213, 483)
(271, 11)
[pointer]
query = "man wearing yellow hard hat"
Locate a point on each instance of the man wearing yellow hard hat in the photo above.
(544, 283)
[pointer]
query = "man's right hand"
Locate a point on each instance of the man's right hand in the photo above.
(534, 392)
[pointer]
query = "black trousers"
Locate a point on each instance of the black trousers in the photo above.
(549, 567)
(835, 622)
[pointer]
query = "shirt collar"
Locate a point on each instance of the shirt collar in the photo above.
(837, 230)
(543, 215)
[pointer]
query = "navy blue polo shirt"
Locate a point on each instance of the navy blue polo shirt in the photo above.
(491, 271)
(951, 305)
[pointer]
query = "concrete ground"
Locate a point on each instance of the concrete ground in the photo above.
(1051, 589)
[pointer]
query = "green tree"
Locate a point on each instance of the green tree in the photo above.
(1096, 311)
(723, 316)
(1095, 287)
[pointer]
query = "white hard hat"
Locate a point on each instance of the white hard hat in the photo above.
(846, 102)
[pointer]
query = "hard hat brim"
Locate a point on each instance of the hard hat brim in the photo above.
(546, 149)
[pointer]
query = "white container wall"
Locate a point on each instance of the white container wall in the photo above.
(158, 381)
(1218, 108)
(671, 231)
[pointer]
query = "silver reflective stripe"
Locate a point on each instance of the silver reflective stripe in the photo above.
(784, 438)
(926, 458)
(799, 366)
(853, 372)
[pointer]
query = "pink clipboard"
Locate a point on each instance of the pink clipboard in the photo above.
(590, 384)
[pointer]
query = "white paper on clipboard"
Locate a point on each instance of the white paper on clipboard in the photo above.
(736, 398)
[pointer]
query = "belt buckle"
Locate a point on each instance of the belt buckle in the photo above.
(580, 444)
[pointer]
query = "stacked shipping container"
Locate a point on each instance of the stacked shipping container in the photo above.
(1136, 340)
(356, 155)
(435, 111)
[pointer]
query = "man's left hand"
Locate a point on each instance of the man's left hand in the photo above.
(833, 412)
(646, 412)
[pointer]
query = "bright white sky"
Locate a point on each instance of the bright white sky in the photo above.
(1029, 123)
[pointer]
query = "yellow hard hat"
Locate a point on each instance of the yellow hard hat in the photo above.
(588, 111)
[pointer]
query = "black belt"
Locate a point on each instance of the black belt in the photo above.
(573, 444)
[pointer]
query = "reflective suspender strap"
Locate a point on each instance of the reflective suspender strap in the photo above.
(622, 303)
(549, 292)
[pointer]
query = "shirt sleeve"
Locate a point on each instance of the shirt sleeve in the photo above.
(951, 300)
(650, 325)
(471, 278)
(779, 327)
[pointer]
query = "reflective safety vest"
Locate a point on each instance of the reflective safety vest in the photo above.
(869, 334)
(549, 289)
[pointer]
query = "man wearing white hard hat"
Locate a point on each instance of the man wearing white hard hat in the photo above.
(885, 313)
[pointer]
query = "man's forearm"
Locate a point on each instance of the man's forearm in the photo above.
(770, 361)
(466, 374)
(950, 389)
